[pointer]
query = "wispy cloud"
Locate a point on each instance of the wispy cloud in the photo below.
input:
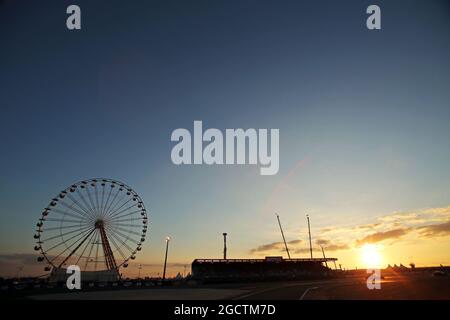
(381, 236)
(435, 230)
(267, 247)
(18, 258)
(275, 246)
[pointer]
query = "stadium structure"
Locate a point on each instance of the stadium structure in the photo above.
(269, 268)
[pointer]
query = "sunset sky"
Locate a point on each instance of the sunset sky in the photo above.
(364, 120)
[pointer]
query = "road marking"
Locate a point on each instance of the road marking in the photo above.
(285, 285)
(306, 291)
(254, 293)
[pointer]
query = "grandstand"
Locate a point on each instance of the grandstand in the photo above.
(269, 268)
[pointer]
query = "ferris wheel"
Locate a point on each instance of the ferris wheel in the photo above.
(96, 224)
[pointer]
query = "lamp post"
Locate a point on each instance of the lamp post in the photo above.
(224, 246)
(165, 259)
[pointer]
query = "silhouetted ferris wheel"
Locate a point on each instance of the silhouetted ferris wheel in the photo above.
(97, 224)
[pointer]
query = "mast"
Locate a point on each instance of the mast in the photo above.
(309, 232)
(323, 252)
(282, 234)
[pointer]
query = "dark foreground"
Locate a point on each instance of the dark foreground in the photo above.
(393, 287)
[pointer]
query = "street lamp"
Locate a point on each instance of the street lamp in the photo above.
(224, 245)
(165, 259)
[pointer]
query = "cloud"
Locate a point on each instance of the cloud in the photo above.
(336, 247)
(13, 264)
(306, 250)
(435, 230)
(369, 226)
(383, 235)
(295, 242)
(328, 245)
(322, 242)
(275, 246)
(267, 247)
(18, 258)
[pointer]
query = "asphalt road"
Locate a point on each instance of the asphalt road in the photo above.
(396, 287)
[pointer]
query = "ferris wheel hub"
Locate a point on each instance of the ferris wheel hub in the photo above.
(99, 224)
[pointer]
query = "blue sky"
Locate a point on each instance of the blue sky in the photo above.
(363, 115)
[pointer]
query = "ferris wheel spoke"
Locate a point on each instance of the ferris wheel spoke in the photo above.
(114, 199)
(76, 248)
(113, 207)
(128, 235)
(90, 199)
(64, 227)
(128, 225)
(90, 250)
(63, 220)
(118, 248)
(116, 235)
(101, 202)
(129, 231)
(126, 215)
(107, 200)
(96, 199)
(96, 255)
(81, 213)
(127, 220)
(83, 209)
(124, 210)
(114, 211)
(80, 236)
(64, 234)
(61, 243)
(85, 247)
(67, 241)
(83, 199)
(66, 213)
(122, 235)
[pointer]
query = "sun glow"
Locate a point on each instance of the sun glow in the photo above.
(371, 256)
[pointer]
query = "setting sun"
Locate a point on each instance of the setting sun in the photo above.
(370, 256)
